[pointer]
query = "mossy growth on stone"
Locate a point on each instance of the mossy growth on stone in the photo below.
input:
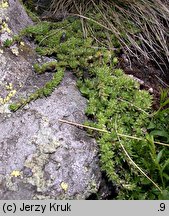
(47, 67)
(115, 102)
(45, 91)
(75, 52)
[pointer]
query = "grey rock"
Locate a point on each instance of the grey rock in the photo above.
(18, 17)
(41, 157)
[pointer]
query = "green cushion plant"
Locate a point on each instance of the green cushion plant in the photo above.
(128, 153)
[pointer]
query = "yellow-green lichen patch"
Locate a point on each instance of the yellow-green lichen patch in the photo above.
(15, 50)
(11, 184)
(36, 163)
(5, 28)
(46, 144)
(15, 173)
(10, 93)
(64, 186)
(93, 186)
(22, 44)
(4, 4)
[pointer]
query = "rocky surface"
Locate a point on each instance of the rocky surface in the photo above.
(40, 157)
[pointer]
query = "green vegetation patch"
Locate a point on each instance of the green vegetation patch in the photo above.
(115, 104)
(42, 92)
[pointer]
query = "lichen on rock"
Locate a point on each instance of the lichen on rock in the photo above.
(33, 143)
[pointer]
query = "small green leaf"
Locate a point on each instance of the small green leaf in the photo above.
(164, 195)
(165, 103)
(159, 156)
(166, 176)
(165, 164)
(151, 125)
(160, 133)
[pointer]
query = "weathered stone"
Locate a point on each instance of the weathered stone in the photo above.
(41, 157)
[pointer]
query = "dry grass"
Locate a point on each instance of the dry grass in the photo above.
(142, 26)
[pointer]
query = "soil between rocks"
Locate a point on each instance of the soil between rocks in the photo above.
(149, 74)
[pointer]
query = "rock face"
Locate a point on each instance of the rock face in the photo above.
(40, 157)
